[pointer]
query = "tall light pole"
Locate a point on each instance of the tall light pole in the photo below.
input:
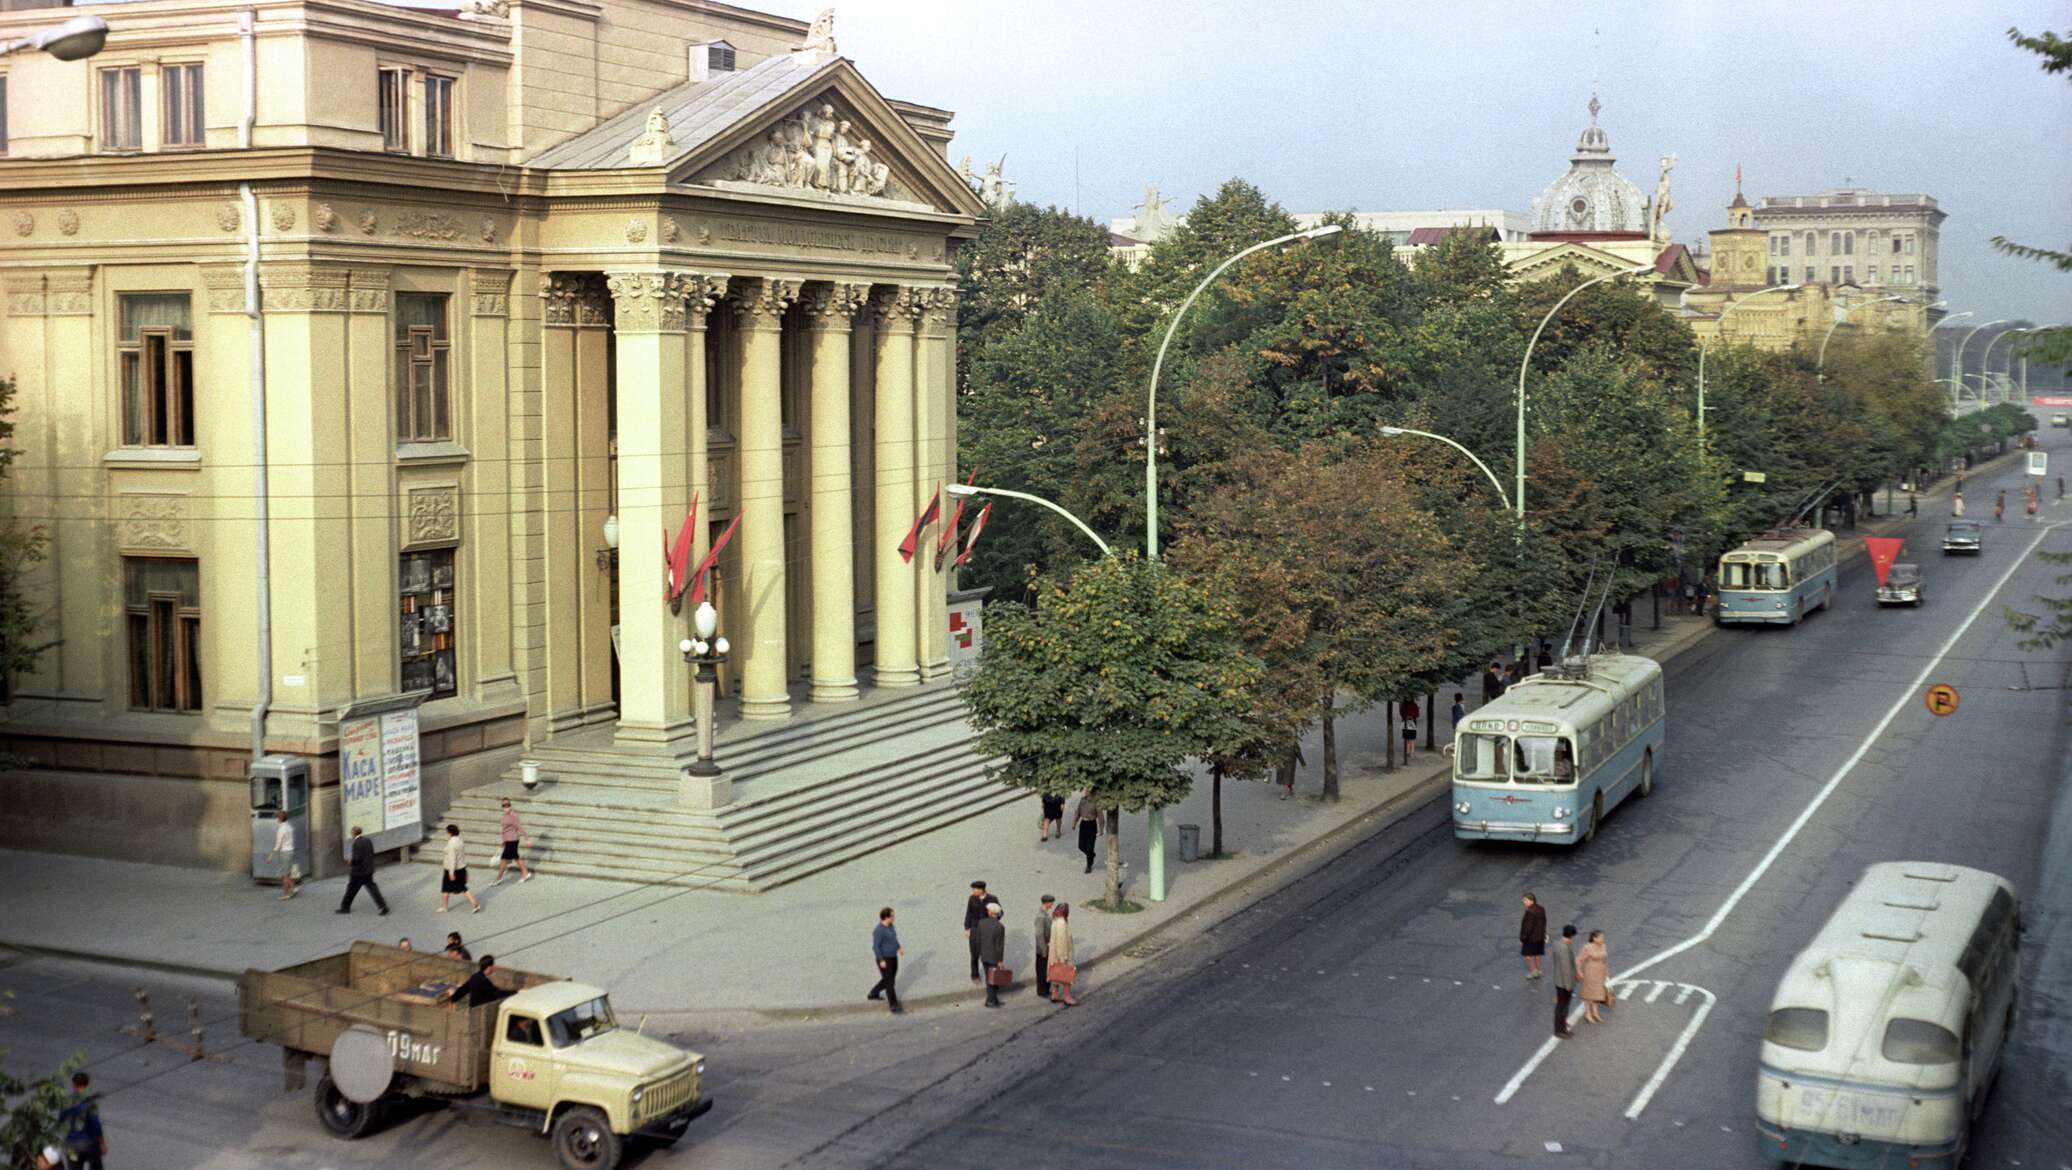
(1525, 364)
(1493, 480)
(1957, 359)
(1151, 398)
(75, 40)
(1985, 360)
(1719, 330)
(1820, 363)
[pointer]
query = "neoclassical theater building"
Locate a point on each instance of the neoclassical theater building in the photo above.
(444, 318)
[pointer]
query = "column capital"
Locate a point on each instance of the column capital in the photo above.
(573, 298)
(759, 302)
(303, 288)
(706, 289)
(226, 287)
(369, 291)
(897, 307)
(938, 309)
(833, 306)
(491, 295)
(649, 300)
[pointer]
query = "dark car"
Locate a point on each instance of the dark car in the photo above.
(1963, 536)
(1902, 586)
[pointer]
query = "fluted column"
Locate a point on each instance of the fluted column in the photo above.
(759, 306)
(705, 291)
(648, 331)
(934, 465)
(832, 309)
(895, 308)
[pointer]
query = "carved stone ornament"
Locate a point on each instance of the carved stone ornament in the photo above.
(636, 231)
(291, 288)
(573, 298)
(704, 233)
(648, 302)
(897, 306)
(654, 146)
(704, 291)
(820, 38)
(670, 230)
(433, 516)
(427, 225)
(834, 305)
(284, 217)
(69, 292)
(488, 230)
(491, 296)
(68, 222)
(370, 290)
(815, 150)
(226, 287)
(228, 216)
(477, 9)
(938, 308)
(24, 223)
(367, 221)
(324, 217)
(759, 303)
(154, 521)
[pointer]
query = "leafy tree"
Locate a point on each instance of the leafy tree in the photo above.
(1117, 677)
(23, 628)
(31, 1109)
(1620, 314)
(1237, 216)
(1023, 257)
(2054, 344)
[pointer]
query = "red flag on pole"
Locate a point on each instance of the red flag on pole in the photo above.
(711, 559)
(948, 536)
(928, 516)
(978, 525)
(680, 553)
(1884, 550)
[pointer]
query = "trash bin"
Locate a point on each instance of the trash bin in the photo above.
(1190, 842)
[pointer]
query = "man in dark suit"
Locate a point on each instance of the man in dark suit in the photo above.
(975, 913)
(360, 872)
(990, 938)
(1043, 913)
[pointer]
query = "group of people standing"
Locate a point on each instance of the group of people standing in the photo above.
(1585, 972)
(985, 935)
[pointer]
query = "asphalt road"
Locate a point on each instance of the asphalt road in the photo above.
(1374, 1016)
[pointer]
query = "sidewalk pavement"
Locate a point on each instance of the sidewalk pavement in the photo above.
(698, 956)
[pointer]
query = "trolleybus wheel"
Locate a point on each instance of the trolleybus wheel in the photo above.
(1647, 774)
(1596, 817)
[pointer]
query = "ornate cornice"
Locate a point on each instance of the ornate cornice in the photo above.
(573, 298)
(492, 292)
(302, 288)
(370, 290)
(759, 302)
(834, 306)
(648, 300)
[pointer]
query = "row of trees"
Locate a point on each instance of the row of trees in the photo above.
(1351, 567)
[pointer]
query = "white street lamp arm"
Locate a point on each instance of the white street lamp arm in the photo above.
(1525, 364)
(1493, 480)
(1820, 363)
(965, 489)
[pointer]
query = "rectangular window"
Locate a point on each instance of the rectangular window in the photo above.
(1834, 243)
(422, 369)
(1910, 244)
(156, 352)
(1910, 274)
(1773, 245)
(1874, 274)
(1848, 274)
(162, 606)
(428, 626)
(1834, 274)
(438, 117)
(395, 100)
(1848, 243)
(122, 109)
(1812, 244)
(1784, 245)
(1811, 276)
(183, 105)
(719, 58)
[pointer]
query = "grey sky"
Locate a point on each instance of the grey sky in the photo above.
(1467, 104)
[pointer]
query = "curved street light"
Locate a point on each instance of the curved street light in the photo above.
(75, 40)
(1719, 330)
(1151, 399)
(1525, 364)
(1957, 359)
(1493, 480)
(1820, 363)
(965, 489)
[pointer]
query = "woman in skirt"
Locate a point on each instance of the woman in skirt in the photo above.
(1410, 713)
(454, 879)
(1053, 823)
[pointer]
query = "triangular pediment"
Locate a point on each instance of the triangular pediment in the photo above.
(833, 140)
(1552, 258)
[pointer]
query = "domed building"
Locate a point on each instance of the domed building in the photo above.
(1592, 197)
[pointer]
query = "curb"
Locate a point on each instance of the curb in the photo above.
(106, 959)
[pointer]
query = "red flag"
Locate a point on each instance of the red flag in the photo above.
(978, 525)
(928, 516)
(711, 559)
(1884, 550)
(949, 534)
(680, 554)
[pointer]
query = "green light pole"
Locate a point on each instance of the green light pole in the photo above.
(1720, 329)
(1525, 364)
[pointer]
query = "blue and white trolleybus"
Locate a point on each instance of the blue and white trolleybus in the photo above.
(1777, 578)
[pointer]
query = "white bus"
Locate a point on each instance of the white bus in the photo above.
(1777, 578)
(1886, 1032)
(1547, 760)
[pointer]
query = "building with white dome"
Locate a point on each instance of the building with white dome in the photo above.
(1592, 197)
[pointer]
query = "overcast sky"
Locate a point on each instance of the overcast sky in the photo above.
(1414, 104)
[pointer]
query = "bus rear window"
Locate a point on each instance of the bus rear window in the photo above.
(1919, 1042)
(1802, 1028)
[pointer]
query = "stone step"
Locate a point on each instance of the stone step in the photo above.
(927, 753)
(839, 849)
(851, 797)
(604, 829)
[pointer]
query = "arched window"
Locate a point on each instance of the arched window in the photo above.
(1848, 243)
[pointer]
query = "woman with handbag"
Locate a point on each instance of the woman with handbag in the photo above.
(1062, 971)
(1593, 966)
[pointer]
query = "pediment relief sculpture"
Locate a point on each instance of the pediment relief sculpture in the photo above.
(816, 149)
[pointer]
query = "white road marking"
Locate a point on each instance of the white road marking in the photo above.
(1685, 993)
(1676, 1050)
(1660, 987)
(1798, 823)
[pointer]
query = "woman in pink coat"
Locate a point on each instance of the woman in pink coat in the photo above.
(1593, 966)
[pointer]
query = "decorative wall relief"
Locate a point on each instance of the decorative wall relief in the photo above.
(669, 230)
(367, 221)
(433, 516)
(226, 285)
(648, 302)
(228, 216)
(815, 150)
(24, 223)
(636, 231)
(324, 217)
(488, 230)
(292, 288)
(427, 225)
(370, 290)
(492, 292)
(284, 217)
(573, 298)
(68, 222)
(155, 522)
(69, 292)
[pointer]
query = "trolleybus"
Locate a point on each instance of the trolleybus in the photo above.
(1777, 578)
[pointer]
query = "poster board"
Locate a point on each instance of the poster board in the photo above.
(379, 786)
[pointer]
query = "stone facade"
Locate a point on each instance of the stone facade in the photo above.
(474, 351)
(1853, 236)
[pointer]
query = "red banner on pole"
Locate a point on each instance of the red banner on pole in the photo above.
(1884, 550)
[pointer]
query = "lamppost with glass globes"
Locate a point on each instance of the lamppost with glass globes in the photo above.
(705, 652)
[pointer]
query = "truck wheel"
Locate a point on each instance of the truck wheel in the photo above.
(583, 1140)
(342, 1115)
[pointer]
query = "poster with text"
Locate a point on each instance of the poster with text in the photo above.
(400, 790)
(359, 776)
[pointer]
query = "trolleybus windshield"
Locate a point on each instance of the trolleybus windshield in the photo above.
(1524, 759)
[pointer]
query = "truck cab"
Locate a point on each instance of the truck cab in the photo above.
(560, 1054)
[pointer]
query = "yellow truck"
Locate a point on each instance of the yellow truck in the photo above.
(550, 1056)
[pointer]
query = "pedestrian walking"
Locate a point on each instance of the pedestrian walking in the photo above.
(1912, 509)
(2035, 500)
(989, 940)
(456, 949)
(1492, 684)
(359, 874)
(454, 879)
(975, 913)
(1053, 823)
(1088, 819)
(85, 1142)
(1532, 936)
(512, 834)
(1287, 771)
(1593, 967)
(1957, 505)
(1042, 937)
(1564, 979)
(1063, 972)
(1459, 712)
(1704, 592)
(284, 847)
(885, 952)
(2000, 506)
(1410, 712)
(1546, 656)
(2061, 487)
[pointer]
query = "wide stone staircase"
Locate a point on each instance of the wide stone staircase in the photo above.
(827, 786)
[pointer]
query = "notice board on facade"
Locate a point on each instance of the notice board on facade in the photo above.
(378, 783)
